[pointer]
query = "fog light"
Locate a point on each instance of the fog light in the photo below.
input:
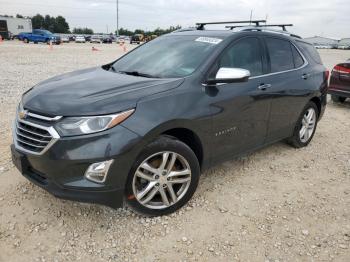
(97, 172)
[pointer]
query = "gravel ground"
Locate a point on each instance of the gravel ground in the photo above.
(278, 204)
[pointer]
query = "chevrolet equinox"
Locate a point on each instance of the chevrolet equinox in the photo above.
(140, 130)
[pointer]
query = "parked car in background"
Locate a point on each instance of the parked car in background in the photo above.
(96, 39)
(87, 38)
(121, 39)
(107, 40)
(65, 39)
(139, 131)
(339, 87)
(138, 38)
(323, 46)
(344, 47)
(72, 38)
(80, 39)
(40, 36)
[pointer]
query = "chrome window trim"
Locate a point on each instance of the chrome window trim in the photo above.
(306, 63)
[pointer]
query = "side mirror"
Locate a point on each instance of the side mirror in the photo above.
(230, 75)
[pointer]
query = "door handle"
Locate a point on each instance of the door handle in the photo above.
(305, 76)
(263, 87)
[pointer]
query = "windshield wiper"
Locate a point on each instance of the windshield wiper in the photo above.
(136, 73)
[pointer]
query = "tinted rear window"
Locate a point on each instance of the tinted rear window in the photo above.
(311, 50)
(298, 59)
(281, 55)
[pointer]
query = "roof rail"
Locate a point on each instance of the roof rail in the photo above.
(262, 28)
(283, 26)
(185, 29)
(200, 26)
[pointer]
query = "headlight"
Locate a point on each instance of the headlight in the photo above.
(73, 126)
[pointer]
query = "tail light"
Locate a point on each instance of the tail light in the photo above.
(341, 69)
(326, 75)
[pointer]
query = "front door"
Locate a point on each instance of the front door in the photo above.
(240, 110)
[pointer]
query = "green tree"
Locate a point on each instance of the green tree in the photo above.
(83, 31)
(123, 31)
(139, 31)
(37, 21)
(61, 26)
(19, 16)
(55, 25)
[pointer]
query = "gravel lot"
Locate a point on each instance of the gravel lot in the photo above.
(278, 204)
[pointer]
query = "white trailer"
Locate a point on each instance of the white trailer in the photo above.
(11, 26)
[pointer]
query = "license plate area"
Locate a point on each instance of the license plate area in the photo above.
(18, 159)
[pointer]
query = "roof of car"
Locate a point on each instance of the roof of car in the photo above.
(217, 33)
(236, 27)
(223, 34)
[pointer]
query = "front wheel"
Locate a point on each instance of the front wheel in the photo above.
(25, 40)
(338, 99)
(305, 127)
(163, 178)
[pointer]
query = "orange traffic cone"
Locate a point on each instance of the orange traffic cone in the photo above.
(51, 47)
(95, 49)
(0, 39)
(124, 48)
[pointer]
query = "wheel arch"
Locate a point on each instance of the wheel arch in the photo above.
(317, 101)
(190, 138)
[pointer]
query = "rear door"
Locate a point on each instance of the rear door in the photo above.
(290, 81)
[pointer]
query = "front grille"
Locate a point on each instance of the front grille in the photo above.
(34, 137)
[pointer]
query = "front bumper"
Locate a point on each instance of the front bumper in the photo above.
(61, 169)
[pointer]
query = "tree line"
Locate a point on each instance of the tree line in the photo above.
(60, 25)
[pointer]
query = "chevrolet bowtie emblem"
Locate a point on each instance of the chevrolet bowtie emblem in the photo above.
(23, 114)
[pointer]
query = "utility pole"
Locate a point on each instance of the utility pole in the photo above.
(117, 5)
(251, 17)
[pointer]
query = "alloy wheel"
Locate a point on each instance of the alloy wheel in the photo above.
(308, 125)
(161, 180)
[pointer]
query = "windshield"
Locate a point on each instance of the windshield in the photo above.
(167, 57)
(47, 32)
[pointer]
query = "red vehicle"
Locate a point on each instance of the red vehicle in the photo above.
(339, 86)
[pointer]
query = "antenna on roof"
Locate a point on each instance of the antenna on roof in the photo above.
(200, 26)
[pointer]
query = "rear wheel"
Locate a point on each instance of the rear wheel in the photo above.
(338, 99)
(305, 127)
(163, 179)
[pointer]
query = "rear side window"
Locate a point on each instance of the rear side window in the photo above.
(281, 55)
(298, 59)
(311, 50)
(245, 54)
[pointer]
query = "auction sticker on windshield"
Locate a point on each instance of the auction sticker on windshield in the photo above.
(210, 40)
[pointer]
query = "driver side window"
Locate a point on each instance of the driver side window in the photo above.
(245, 54)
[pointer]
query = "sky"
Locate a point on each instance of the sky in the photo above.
(330, 18)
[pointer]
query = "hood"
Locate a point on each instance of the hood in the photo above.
(92, 91)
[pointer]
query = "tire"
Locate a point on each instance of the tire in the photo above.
(297, 140)
(162, 180)
(25, 40)
(338, 99)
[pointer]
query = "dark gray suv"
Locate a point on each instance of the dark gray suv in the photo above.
(140, 130)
